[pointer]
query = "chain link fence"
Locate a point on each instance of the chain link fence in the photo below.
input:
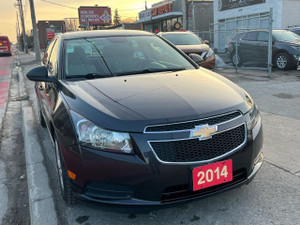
(243, 43)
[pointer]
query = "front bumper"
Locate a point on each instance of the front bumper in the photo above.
(141, 179)
(209, 62)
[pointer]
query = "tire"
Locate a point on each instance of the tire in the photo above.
(282, 61)
(239, 61)
(64, 180)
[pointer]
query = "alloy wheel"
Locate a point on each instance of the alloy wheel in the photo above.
(282, 62)
(236, 59)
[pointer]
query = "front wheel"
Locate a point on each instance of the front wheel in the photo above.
(282, 61)
(64, 180)
(237, 59)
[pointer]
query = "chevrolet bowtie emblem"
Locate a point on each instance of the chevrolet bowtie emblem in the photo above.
(203, 132)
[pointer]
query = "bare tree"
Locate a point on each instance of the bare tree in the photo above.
(72, 24)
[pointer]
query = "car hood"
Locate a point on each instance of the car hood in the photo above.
(294, 43)
(130, 103)
(193, 48)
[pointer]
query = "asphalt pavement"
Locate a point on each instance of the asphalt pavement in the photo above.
(273, 196)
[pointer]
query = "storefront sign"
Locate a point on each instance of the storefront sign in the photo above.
(94, 16)
(177, 26)
(145, 15)
(232, 4)
(161, 9)
(50, 34)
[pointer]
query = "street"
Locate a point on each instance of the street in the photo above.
(271, 198)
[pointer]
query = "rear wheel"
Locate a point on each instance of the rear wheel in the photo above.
(282, 61)
(64, 180)
(237, 59)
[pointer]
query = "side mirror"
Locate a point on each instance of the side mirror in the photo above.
(39, 74)
(206, 42)
(196, 58)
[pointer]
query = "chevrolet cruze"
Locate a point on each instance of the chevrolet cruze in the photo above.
(134, 121)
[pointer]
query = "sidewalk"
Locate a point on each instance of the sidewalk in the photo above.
(41, 202)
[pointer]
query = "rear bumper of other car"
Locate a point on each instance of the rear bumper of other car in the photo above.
(5, 50)
(141, 179)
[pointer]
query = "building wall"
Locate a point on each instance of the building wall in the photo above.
(203, 15)
(290, 13)
(253, 9)
(42, 30)
(226, 22)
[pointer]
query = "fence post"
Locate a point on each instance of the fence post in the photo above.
(236, 45)
(270, 44)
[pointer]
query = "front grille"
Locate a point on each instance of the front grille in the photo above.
(179, 192)
(193, 150)
(192, 124)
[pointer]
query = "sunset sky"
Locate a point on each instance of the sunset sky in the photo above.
(47, 11)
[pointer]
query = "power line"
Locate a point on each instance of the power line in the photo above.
(71, 7)
(57, 4)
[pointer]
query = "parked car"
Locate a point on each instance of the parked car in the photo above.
(253, 47)
(189, 43)
(135, 121)
(5, 46)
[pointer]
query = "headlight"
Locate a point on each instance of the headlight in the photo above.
(296, 48)
(253, 112)
(254, 117)
(209, 53)
(99, 138)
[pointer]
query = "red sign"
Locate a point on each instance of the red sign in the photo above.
(50, 34)
(212, 174)
(94, 15)
(161, 9)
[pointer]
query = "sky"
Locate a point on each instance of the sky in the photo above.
(47, 11)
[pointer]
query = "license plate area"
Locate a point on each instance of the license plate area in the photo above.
(212, 174)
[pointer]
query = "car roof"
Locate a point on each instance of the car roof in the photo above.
(103, 33)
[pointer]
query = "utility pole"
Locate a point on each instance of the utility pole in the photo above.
(18, 30)
(23, 25)
(35, 33)
(270, 43)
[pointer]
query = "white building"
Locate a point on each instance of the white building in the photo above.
(251, 14)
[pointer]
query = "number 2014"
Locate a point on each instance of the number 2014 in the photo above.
(208, 176)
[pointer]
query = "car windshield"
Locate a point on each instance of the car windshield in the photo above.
(123, 55)
(286, 36)
(183, 39)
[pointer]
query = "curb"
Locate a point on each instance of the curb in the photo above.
(41, 203)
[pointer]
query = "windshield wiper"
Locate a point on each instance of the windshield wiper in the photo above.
(89, 76)
(150, 70)
(154, 70)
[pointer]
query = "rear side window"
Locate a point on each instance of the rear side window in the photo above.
(251, 36)
(52, 64)
(47, 52)
(4, 40)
